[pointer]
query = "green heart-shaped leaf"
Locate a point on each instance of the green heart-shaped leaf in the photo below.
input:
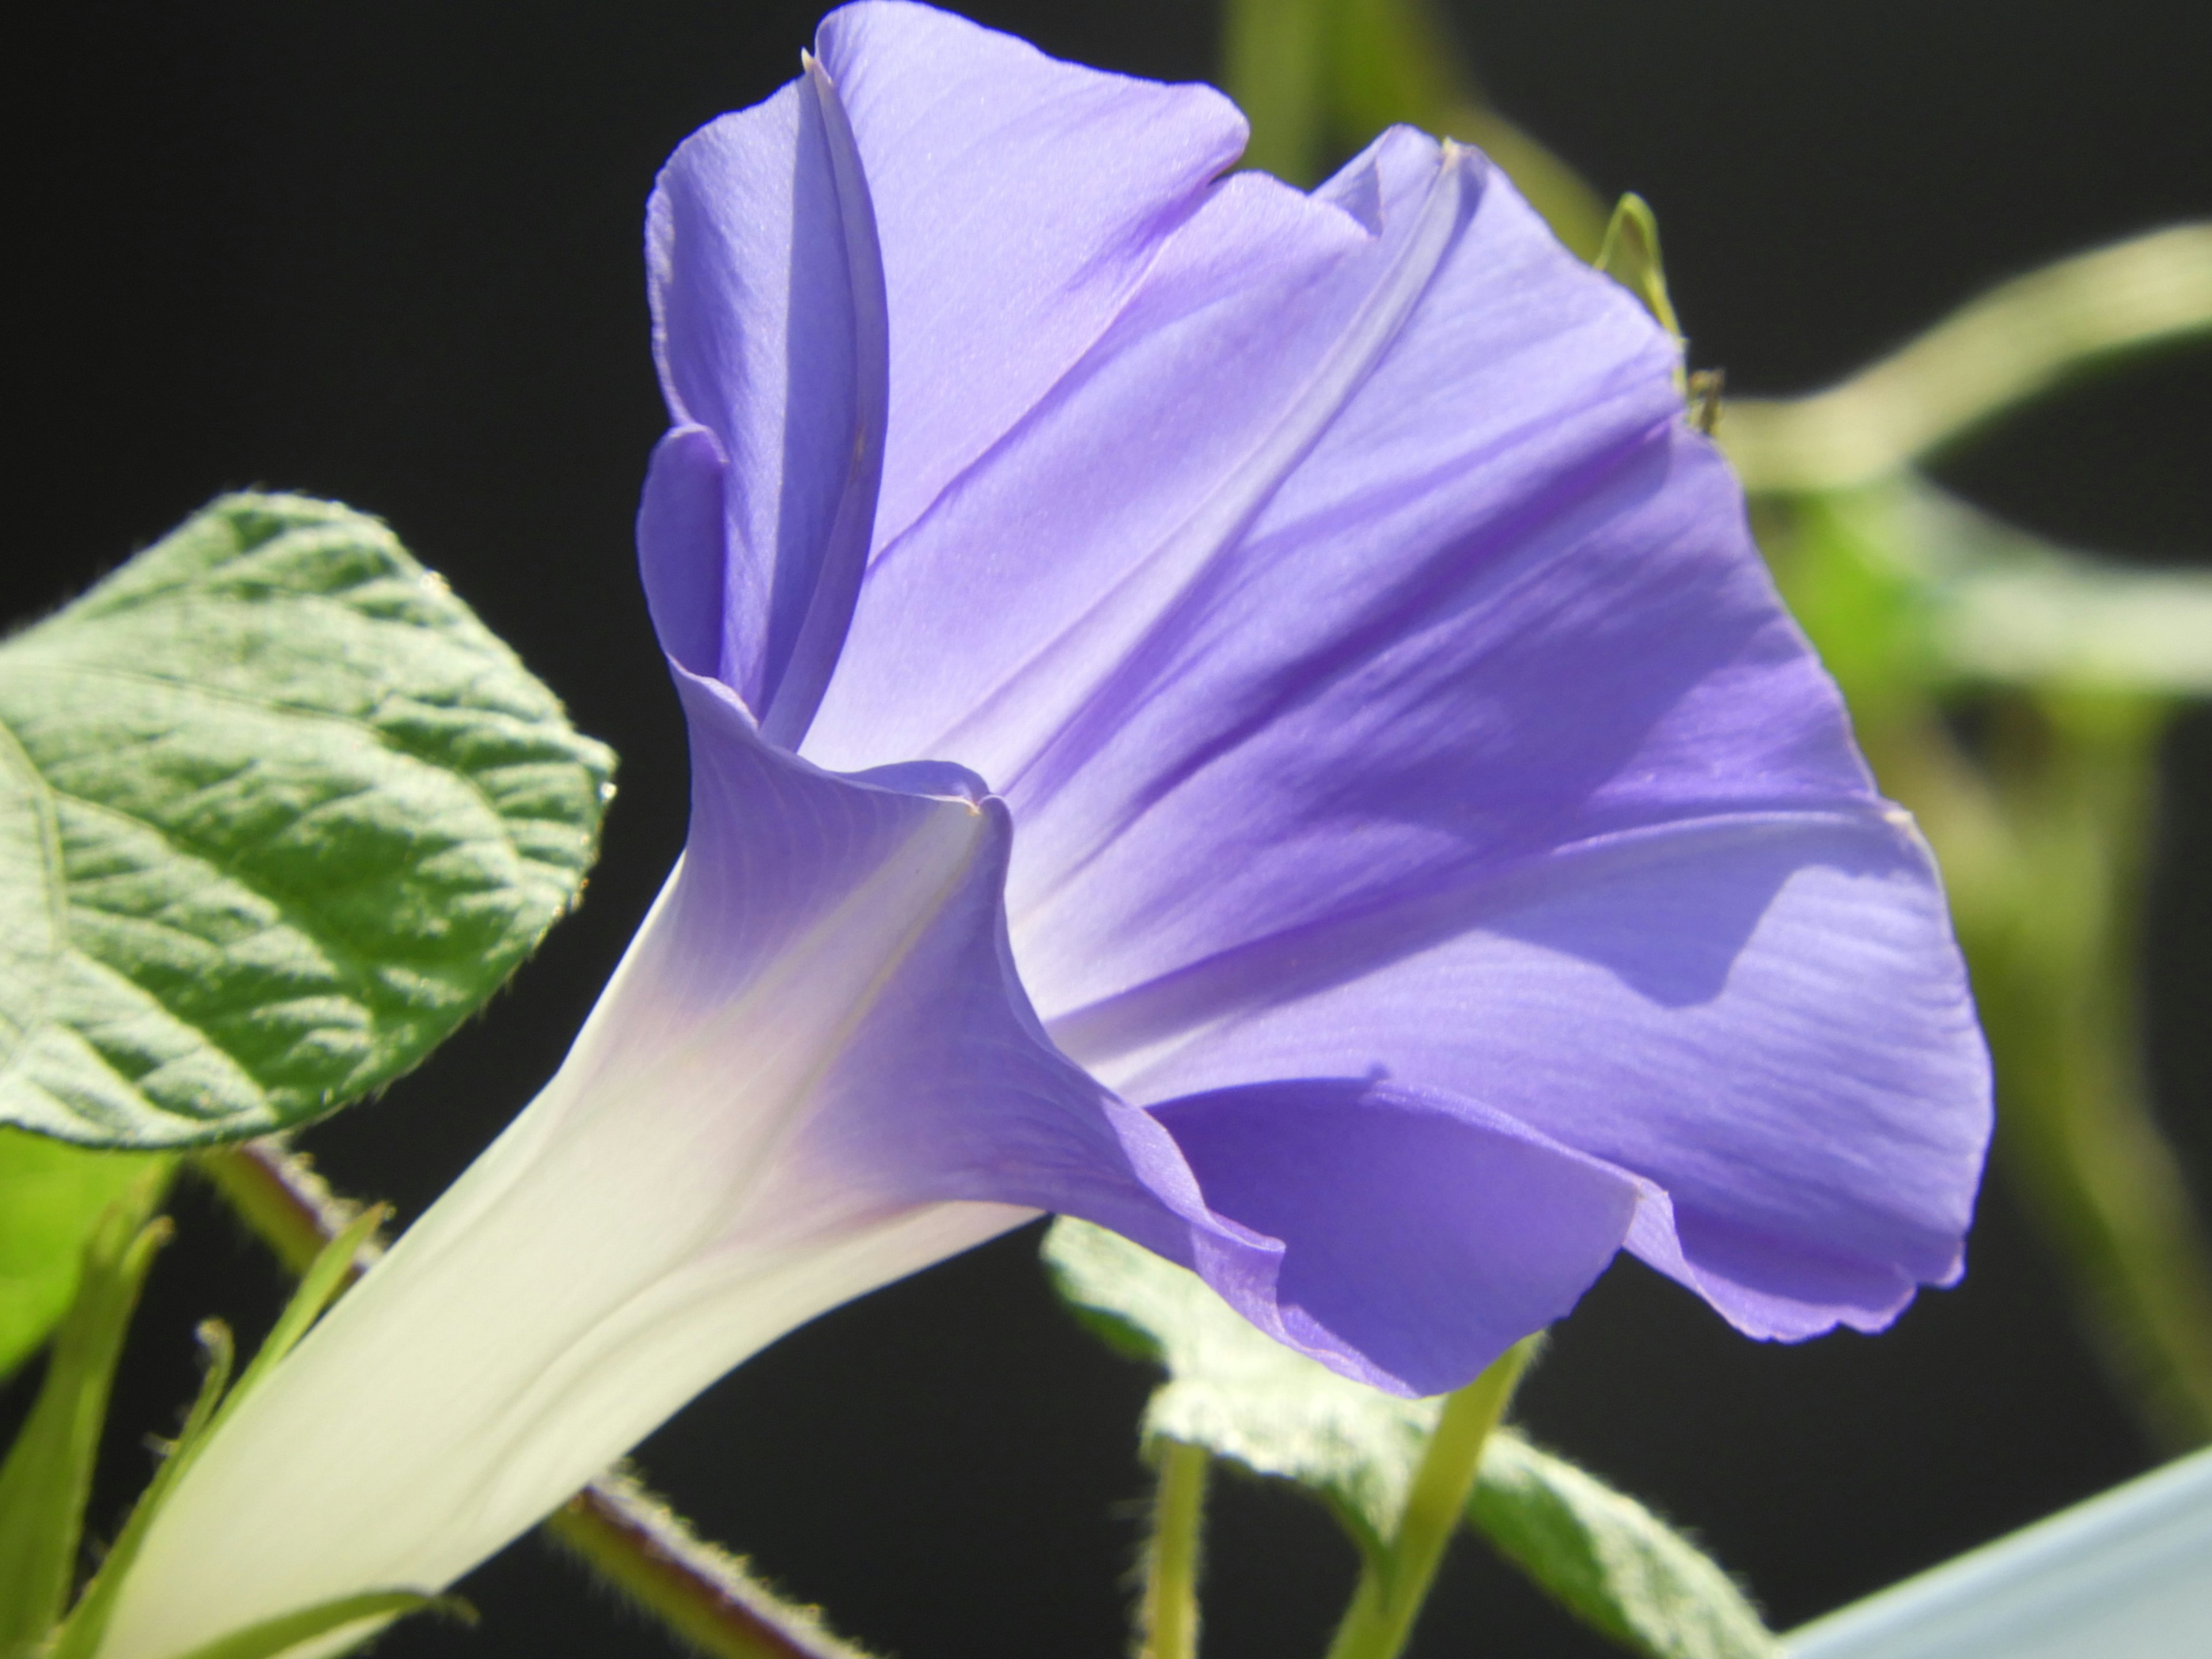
(277, 813)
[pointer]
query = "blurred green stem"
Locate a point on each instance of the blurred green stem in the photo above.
(2059, 987)
(1320, 78)
(1271, 53)
(2018, 340)
(1168, 1617)
(1394, 1583)
(2040, 840)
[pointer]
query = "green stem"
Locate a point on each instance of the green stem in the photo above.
(275, 1191)
(1393, 1585)
(47, 1477)
(1167, 1621)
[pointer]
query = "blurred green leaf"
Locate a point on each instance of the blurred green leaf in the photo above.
(48, 1474)
(1246, 1398)
(51, 1198)
(2013, 608)
(1906, 588)
(276, 813)
(1868, 610)
(1271, 55)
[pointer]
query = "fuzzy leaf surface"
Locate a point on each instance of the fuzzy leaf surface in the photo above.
(276, 813)
(1610, 1561)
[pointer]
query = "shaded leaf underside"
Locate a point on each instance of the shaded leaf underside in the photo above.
(1247, 1399)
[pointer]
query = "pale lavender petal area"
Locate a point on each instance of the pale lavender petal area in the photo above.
(951, 1091)
(770, 329)
(1020, 199)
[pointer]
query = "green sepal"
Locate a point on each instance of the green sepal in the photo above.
(286, 1630)
(1610, 1561)
(330, 1274)
(47, 1477)
(52, 1197)
(1248, 1399)
(1630, 255)
(276, 813)
(80, 1633)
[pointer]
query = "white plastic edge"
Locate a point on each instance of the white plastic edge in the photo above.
(2125, 1575)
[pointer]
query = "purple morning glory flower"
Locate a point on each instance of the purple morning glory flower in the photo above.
(1244, 716)
(1420, 822)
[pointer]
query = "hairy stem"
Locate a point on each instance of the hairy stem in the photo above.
(1168, 1617)
(699, 1592)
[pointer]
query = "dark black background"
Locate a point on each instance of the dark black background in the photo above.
(389, 253)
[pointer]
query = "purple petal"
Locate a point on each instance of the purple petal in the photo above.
(679, 546)
(1765, 1018)
(1601, 655)
(1033, 582)
(1402, 1238)
(1342, 607)
(769, 328)
(1301, 703)
(1019, 200)
(1423, 1235)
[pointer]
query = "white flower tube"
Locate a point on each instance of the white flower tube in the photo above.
(665, 1207)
